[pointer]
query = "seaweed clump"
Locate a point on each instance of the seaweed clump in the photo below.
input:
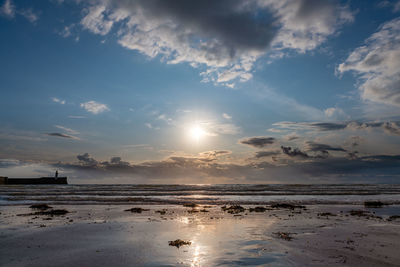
(373, 204)
(393, 217)
(40, 206)
(235, 209)
(326, 214)
(258, 209)
(162, 212)
(190, 205)
(287, 206)
(56, 212)
(178, 243)
(284, 235)
(137, 210)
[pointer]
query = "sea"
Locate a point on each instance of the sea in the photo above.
(254, 194)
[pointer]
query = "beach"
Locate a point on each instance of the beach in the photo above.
(280, 235)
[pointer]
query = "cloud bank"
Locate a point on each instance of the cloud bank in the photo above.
(377, 63)
(224, 38)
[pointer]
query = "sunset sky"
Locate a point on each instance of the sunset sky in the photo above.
(175, 91)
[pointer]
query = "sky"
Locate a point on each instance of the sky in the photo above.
(175, 91)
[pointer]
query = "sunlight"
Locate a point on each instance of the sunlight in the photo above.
(197, 133)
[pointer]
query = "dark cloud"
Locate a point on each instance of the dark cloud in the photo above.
(7, 163)
(232, 22)
(263, 154)
(328, 126)
(258, 142)
(287, 150)
(375, 167)
(389, 127)
(226, 36)
(85, 159)
(316, 147)
(62, 135)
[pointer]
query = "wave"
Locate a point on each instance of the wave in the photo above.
(203, 194)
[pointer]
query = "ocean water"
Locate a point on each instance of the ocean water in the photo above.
(201, 194)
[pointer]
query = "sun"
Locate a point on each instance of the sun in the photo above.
(197, 133)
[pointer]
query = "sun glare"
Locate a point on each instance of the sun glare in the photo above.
(197, 133)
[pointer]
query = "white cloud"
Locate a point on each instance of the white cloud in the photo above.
(214, 128)
(8, 9)
(226, 116)
(68, 130)
(307, 24)
(377, 63)
(180, 33)
(95, 107)
(76, 117)
(335, 113)
(57, 100)
(29, 15)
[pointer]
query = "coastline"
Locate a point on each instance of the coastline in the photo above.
(92, 235)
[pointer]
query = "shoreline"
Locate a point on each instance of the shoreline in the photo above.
(109, 235)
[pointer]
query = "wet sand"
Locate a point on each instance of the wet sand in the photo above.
(107, 235)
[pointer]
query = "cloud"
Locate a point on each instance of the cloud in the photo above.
(389, 127)
(335, 113)
(308, 23)
(95, 20)
(86, 160)
(321, 126)
(7, 163)
(95, 107)
(63, 135)
(214, 154)
(263, 154)
(29, 15)
(226, 116)
(68, 130)
(227, 41)
(316, 147)
(377, 64)
(57, 100)
(197, 169)
(258, 142)
(8, 9)
(76, 117)
(287, 150)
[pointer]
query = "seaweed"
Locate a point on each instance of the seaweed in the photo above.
(359, 213)
(374, 204)
(178, 243)
(162, 212)
(393, 217)
(287, 206)
(193, 211)
(52, 212)
(258, 209)
(235, 209)
(56, 212)
(136, 210)
(284, 235)
(40, 206)
(326, 214)
(190, 205)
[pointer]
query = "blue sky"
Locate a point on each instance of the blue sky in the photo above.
(206, 92)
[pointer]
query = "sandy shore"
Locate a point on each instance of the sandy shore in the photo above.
(106, 235)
